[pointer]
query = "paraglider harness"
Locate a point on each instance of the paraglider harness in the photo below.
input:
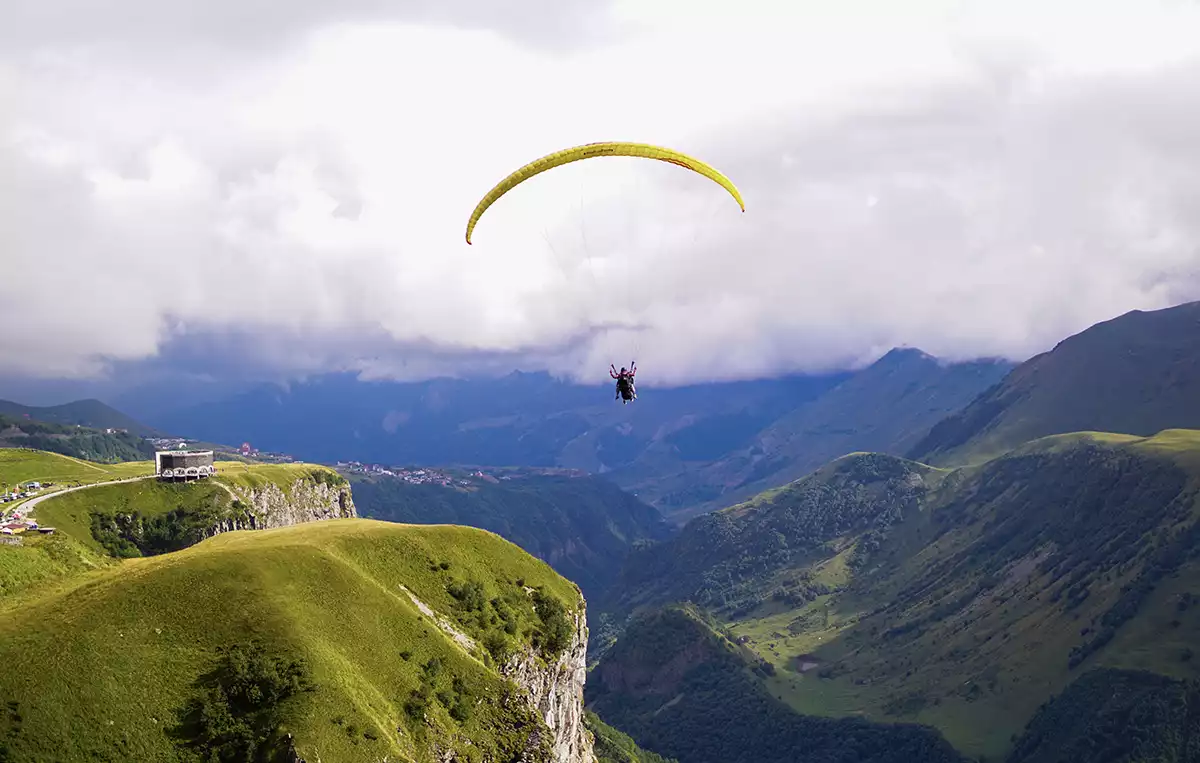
(625, 388)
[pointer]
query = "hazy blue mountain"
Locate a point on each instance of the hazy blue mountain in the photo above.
(527, 419)
(676, 447)
(885, 408)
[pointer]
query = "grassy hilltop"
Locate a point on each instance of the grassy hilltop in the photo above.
(305, 637)
(107, 666)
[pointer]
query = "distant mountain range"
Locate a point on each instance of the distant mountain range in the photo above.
(75, 440)
(693, 449)
(678, 449)
(524, 419)
(87, 413)
(886, 407)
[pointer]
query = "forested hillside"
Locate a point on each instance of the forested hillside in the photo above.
(73, 440)
(680, 687)
(1115, 715)
(962, 599)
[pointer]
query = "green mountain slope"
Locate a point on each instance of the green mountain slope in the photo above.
(149, 517)
(303, 636)
(139, 519)
(962, 599)
(1115, 715)
(23, 465)
(144, 517)
(614, 746)
(679, 686)
(86, 413)
(789, 545)
(1135, 374)
(583, 526)
(72, 440)
(886, 407)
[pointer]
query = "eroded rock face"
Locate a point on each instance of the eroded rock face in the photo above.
(308, 502)
(556, 691)
(305, 501)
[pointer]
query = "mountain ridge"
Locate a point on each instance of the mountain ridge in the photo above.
(883, 408)
(74, 440)
(1137, 373)
(87, 412)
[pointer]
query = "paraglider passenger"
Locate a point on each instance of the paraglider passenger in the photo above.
(625, 388)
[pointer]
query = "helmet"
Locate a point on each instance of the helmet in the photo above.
(622, 369)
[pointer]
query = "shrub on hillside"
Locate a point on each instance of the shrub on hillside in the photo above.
(237, 714)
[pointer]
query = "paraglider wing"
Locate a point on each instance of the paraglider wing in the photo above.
(589, 151)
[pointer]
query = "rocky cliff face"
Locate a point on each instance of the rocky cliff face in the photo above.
(554, 691)
(557, 693)
(269, 506)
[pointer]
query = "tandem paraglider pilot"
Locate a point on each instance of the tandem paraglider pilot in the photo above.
(625, 389)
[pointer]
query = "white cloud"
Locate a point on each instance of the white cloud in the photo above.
(971, 178)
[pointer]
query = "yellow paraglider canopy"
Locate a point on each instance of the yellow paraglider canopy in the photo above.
(589, 151)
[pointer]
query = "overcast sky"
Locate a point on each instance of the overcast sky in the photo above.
(283, 188)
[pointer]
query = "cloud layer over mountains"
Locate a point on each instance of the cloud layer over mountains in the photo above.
(272, 189)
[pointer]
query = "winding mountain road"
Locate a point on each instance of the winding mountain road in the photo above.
(28, 506)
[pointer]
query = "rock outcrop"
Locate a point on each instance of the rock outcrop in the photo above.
(556, 691)
(306, 500)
